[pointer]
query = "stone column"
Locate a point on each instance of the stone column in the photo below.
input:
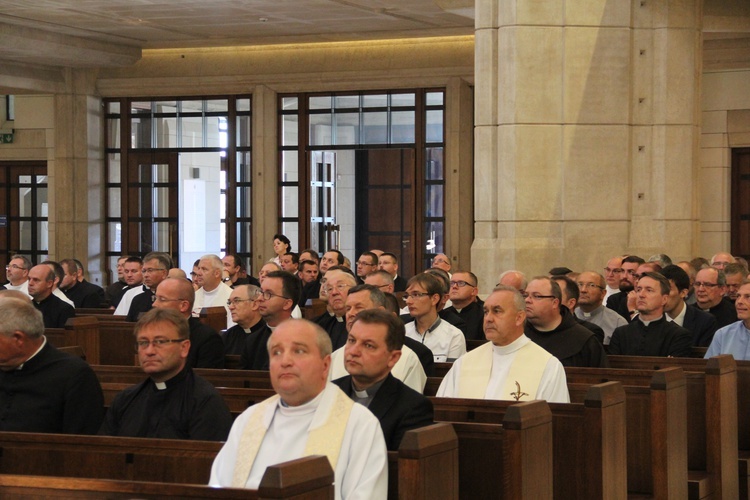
(76, 176)
(586, 129)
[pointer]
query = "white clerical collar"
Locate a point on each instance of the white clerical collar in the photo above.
(303, 409)
(160, 385)
(512, 347)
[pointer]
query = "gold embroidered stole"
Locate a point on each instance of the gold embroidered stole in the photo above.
(324, 438)
(526, 370)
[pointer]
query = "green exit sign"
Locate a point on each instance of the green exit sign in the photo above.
(6, 138)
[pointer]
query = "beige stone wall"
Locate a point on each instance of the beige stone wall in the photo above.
(586, 132)
(726, 124)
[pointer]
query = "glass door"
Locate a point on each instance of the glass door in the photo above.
(152, 204)
(324, 231)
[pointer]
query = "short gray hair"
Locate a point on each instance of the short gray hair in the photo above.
(518, 301)
(215, 261)
(19, 315)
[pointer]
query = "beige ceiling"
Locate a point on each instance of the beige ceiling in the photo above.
(85, 33)
(49, 34)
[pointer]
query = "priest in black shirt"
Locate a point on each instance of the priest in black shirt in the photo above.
(54, 311)
(41, 388)
(206, 347)
(651, 333)
(466, 304)
(173, 403)
(243, 306)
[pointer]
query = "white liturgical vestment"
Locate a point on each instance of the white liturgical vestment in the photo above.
(545, 381)
(361, 469)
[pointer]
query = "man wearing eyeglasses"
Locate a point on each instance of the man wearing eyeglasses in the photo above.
(467, 304)
(336, 287)
(206, 347)
(423, 294)
(710, 286)
(156, 267)
(43, 389)
(612, 276)
(619, 301)
(173, 403)
(591, 308)
(555, 328)
(509, 366)
(441, 261)
(277, 300)
(17, 273)
(243, 306)
(366, 265)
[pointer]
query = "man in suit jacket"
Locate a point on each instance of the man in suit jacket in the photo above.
(700, 323)
(372, 349)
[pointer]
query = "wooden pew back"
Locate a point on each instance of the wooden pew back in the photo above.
(588, 441)
(309, 478)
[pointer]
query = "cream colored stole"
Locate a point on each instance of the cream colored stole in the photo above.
(526, 370)
(326, 439)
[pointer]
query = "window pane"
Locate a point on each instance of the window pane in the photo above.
(289, 103)
(434, 200)
(159, 202)
(434, 237)
(243, 131)
(24, 202)
(375, 127)
(402, 100)
(244, 170)
(113, 163)
(192, 132)
(115, 204)
(320, 129)
(347, 128)
(192, 106)
(320, 102)
(41, 202)
(166, 132)
(375, 101)
(42, 238)
(434, 99)
(244, 201)
(113, 133)
(215, 134)
(140, 130)
(115, 236)
(289, 201)
(113, 107)
(160, 233)
(222, 209)
(289, 166)
(347, 101)
(402, 127)
(165, 107)
(244, 238)
(289, 130)
(217, 105)
(140, 107)
(434, 166)
(243, 105)
(435, 126)
(291, 231)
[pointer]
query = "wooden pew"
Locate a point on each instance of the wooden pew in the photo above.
(712, 370)
(309, 478)
(656, 430)
(81, 331)
(219, 378)
(424, 467)
(215, 317)
(588, 441)
(711, 422)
